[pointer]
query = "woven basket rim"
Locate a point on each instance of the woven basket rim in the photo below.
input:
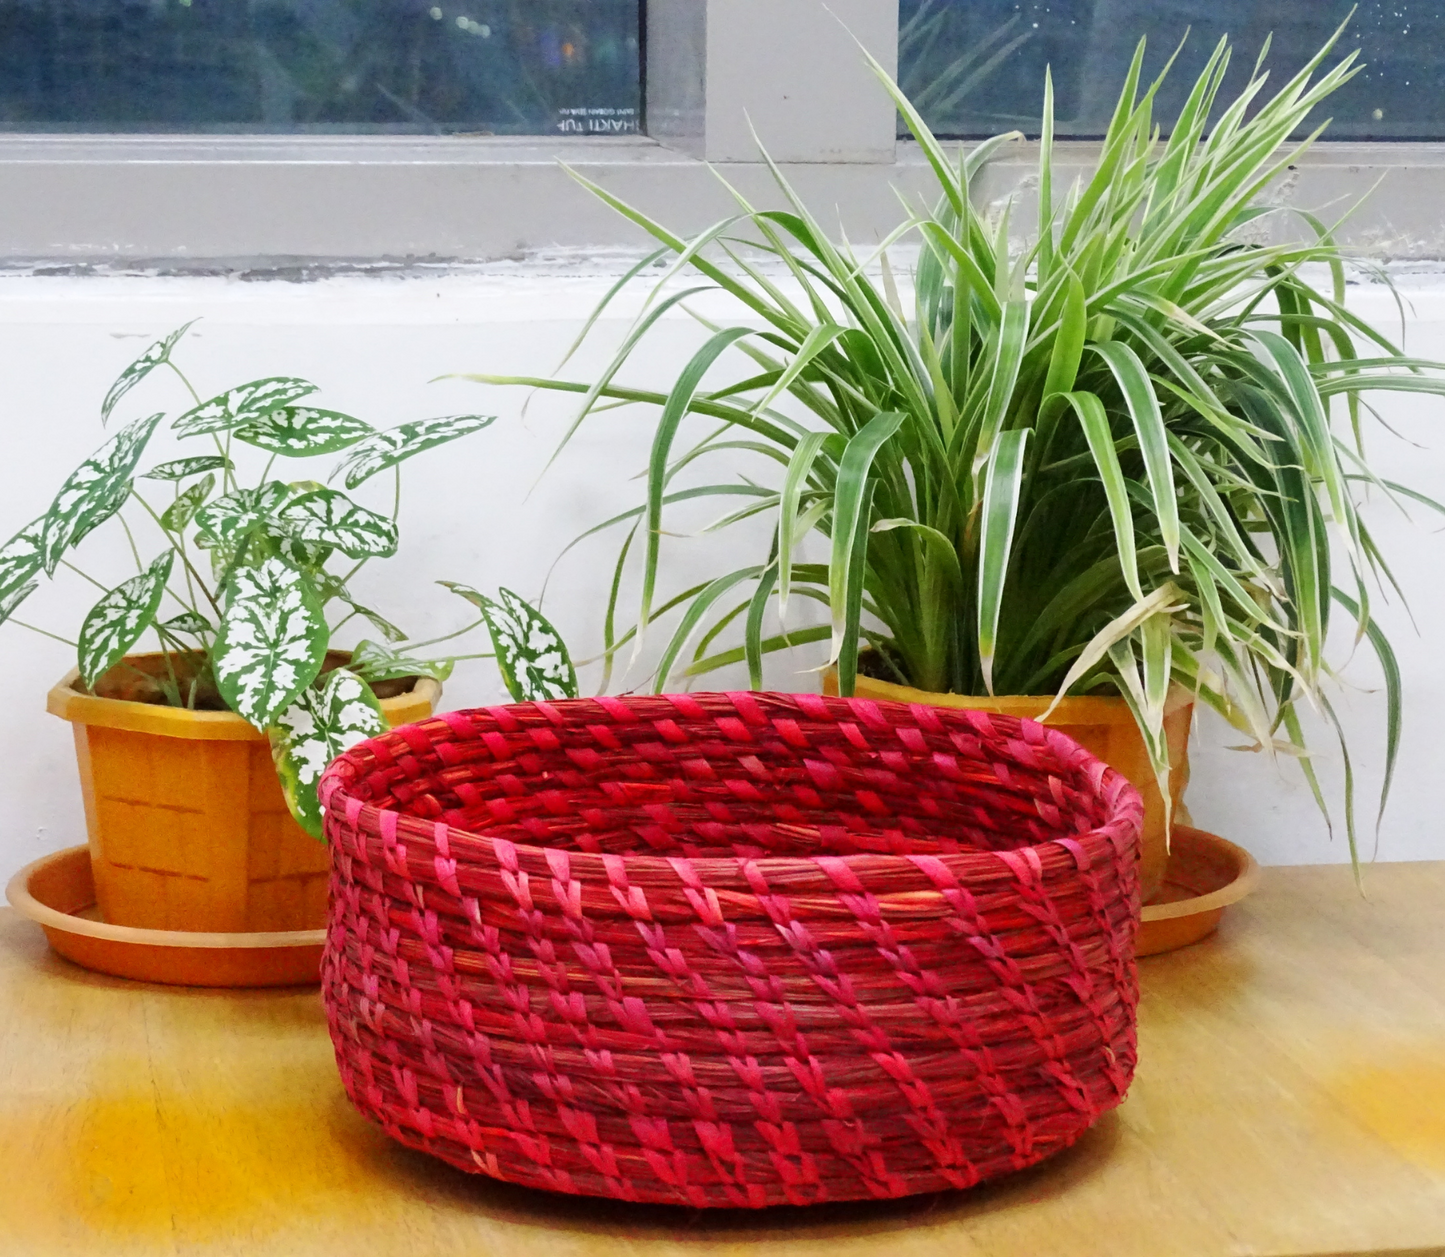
(971, 862)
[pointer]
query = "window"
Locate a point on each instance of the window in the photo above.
(976, 67)
(503, 67)
(253, 133)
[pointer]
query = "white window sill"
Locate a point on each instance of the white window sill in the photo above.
(233, 201)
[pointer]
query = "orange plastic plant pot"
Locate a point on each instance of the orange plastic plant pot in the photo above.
(1103, 726)
(188, 828)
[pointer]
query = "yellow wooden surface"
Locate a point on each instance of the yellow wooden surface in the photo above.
(1290, 1100)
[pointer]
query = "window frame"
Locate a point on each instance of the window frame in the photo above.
(713, 70)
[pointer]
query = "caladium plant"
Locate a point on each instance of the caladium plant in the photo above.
(253, 632)
(531, 655)
(313, 731)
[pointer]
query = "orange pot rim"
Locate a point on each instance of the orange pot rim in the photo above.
(70, 704)
(1087, 709)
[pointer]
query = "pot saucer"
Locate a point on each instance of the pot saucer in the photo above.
(58, 893)
(1205, 874)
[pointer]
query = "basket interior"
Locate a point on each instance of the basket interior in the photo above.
(693, 782)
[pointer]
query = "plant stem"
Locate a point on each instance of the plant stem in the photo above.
(194, 395)
(82, 575)
(346, 580)
(224, 451)
(45, 632)
(432, 641)
(180, 548)
(349, 616)
(129, 536)
(173, 694)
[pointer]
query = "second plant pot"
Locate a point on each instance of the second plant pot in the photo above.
(188, 827)
(1103, 726)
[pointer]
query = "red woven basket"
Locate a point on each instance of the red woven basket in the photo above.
(731, 949)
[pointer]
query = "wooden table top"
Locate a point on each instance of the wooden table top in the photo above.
(1290, 1099)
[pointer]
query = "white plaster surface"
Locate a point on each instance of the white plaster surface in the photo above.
(482, 512)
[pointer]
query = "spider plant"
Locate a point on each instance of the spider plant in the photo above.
(1123, 456)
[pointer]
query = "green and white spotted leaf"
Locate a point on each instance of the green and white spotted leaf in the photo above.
(101, 509)
(20, 557)
(531, 654)
(378, 662)
(301, 432)
(223, 557)
(237, 515)
(330, 518)
(395, 445)
(314, 730)
(379, 622)
(306, 555)
(117, 621)
(14, 597)
(182, 468)
(94, 491)
(242, 405)
(180, 512)
(271, 643)
(138, 370)
(188, 622)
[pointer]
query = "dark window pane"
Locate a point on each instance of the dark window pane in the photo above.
(976, 67)
(509, 67)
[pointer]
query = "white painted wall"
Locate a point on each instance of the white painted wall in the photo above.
(471, 511)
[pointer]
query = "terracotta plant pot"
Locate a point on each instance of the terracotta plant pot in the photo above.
(188, 827)
(1104, 726)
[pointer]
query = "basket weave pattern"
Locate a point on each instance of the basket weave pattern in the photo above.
(731, 949)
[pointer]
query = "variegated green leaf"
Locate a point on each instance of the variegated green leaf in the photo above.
(181, 468)
(188, 622)
(1001, 496)
(14, 597)
(117, 621)
(139, 369)
(236, 515)
(377, 621)
(242, 405)
(314, 730)
(378, 662)
(223, 557)
(531, 654)
(95, 490)
(180, 512)
(394, 445)
(327, 517)
(101, 508)
(20, 557)
(271, 643)
(300, 431)
(306, 555)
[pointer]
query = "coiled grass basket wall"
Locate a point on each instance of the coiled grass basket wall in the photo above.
(731, 949)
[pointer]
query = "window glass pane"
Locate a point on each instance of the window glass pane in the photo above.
(505, 67)
(976, 67)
